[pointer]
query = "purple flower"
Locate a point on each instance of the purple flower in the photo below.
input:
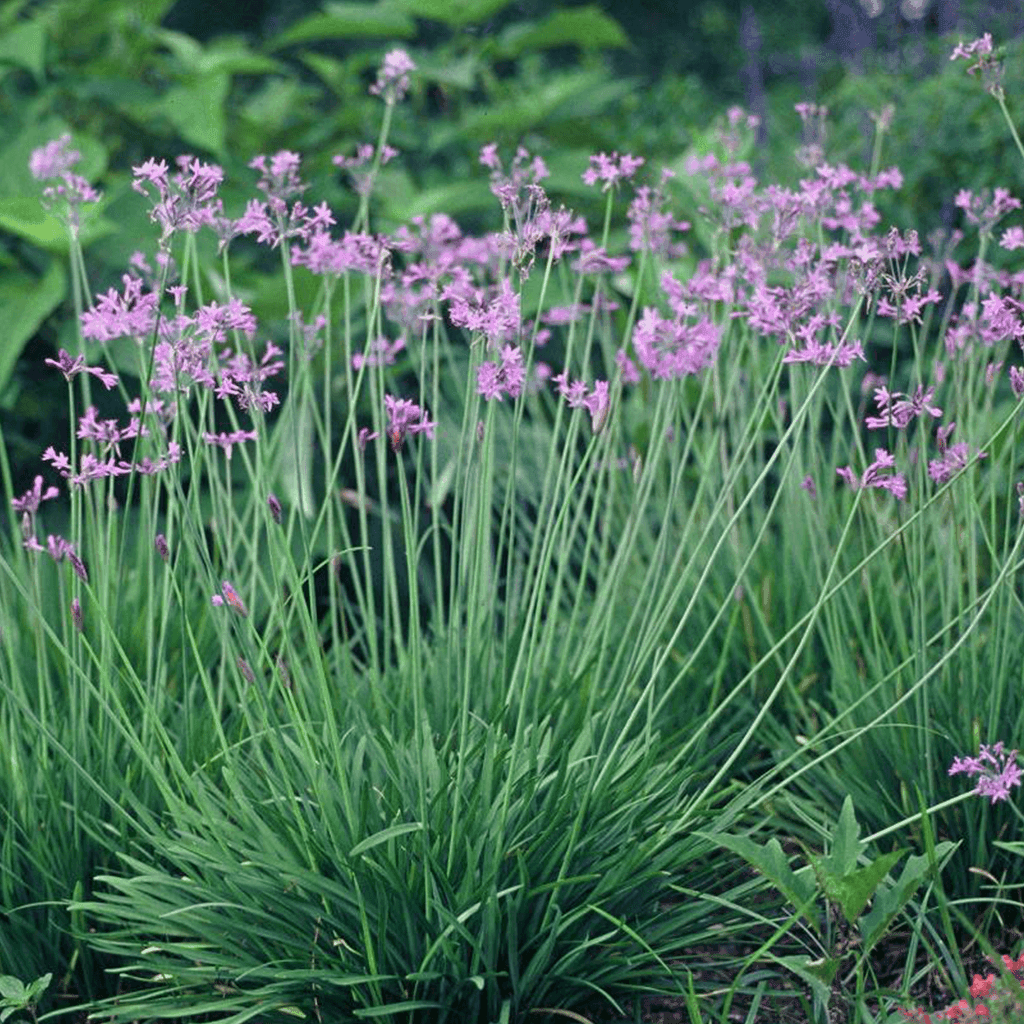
(821, 354)
(627, 368)
(953, 457)
(160, 543)
(610, 170)
(405, 417)
(594, 260)
(597, 403)
(71, 367)
(90, 467)
(230, 596)
(228, 441)
(506, 377)
(899, 409)
(358, 252)
(575, 394)
(279, 177)
(650, 226)
(275, 508)
(996, 768)
(497, 318)
(131, 315)
(378, 353)
(393, 77)
(78, 565)
(896, 484)
(30, 501)
(53, 160)
(76, 614)
(672, 348)
(186, 202)
(106, 432)
(990, 66)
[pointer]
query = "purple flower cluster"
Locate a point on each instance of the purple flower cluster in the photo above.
(393, 77)
(503, 377)
(185, 202)
(996, 769)
(784, 283)
(405, 417)
(54, 162)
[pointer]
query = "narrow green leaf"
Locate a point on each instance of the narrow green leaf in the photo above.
(383, 836)
(390, 1008)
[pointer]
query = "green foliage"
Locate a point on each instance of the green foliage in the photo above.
(482, 735)
(947, 134)
(845, 880)
(351, 903)
(129, 90)
(17, 997)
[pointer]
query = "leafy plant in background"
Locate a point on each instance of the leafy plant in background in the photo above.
(130, 89)
(397, 623)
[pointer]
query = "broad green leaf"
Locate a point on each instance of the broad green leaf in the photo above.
(25, 217)
(12, 988)
(573, 95)
(197, 111)
(25, 302)
(890, 900)
(798, 887)
(238, 60)
(24, 46)
(846, 846)
(817, 974)
(456, 13)
(450, 72)
(38, 987)
(455, 199)
(293, 435)
(589, 28)
(348, 21)
(853, 889)
(188, 51)
(11, 11)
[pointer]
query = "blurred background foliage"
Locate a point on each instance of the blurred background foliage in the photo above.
(225, 81)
